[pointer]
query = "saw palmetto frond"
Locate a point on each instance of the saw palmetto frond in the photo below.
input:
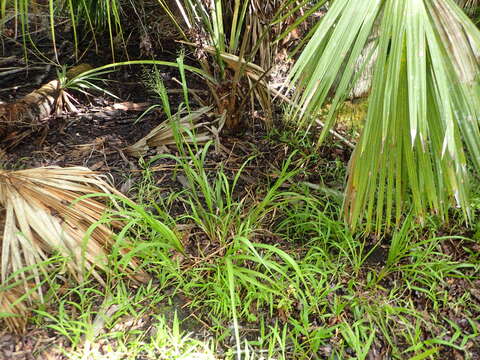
(20, 118)
(164, 134)
(469, 4)
(13, 310)
(44, 213)
(423, 112)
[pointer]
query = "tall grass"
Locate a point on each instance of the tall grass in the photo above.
(88, 20)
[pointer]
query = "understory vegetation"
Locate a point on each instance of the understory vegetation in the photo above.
(270, 272)
(240, 180)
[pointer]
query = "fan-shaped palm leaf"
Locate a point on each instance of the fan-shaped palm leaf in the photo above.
(40, 217)
(423, 109)
(19, 119)
(164, 134)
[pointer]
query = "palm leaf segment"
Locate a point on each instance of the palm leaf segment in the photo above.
(423, 108)
(40, 214)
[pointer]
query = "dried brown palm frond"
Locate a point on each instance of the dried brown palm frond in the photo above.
(13, 310)
(164, 134)
(19, 119)
(41, 215)
(29, 111)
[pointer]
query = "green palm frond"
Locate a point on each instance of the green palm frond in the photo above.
(471, 8)
(423, 108)
(468, 5)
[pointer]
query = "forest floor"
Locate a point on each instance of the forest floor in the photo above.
(295, 285)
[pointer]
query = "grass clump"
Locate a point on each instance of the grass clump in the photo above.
(275, 276)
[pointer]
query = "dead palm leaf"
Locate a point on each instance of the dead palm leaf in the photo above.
(28, 114)
(164, 134)
(41, 216)
(13, 310)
